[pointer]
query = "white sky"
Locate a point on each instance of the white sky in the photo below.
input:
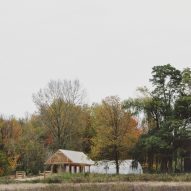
(110, 46)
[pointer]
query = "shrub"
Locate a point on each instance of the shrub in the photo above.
(4, 164)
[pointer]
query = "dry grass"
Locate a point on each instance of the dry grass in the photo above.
(120, 186)
(97, 182)
(95, 178)
(98, 178)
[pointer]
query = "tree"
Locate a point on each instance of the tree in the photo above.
(182, 112)
(10, 134)
(59, 106)
(166, 113)
(31, 146)
(166, 81)
(87, 131)
(4, 164)
(186, 82)
(116, 131)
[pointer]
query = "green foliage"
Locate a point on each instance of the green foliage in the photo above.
(4, 164)
(101, 178)
(167, 117)
(32, 158)
(105, 130)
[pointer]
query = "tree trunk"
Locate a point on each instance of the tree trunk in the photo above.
(181, 164)
(187, 162)
(150, 162)
(156, 161)
(117, 166)
(164, 167)
(170, 169)
(175, 165)
(116, 160)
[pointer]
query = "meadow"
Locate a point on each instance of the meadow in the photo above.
(103, 178)
(117, 186)
(97, 182)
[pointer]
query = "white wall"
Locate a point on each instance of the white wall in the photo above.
(110, 168)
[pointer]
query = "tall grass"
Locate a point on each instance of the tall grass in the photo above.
(98, 178)
(95, 182)
(107, 187)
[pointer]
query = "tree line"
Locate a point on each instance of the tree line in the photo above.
(110, 130)
(165, 145)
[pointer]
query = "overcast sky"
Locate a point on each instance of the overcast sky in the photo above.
(110, 46)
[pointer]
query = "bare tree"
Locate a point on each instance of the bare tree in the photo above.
(59, 105)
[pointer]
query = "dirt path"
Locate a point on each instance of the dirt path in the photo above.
(25, 186)
(30, 178)
(21, 186)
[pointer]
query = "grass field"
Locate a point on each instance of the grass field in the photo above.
(97, 178)
(95, 182)
(117, 186)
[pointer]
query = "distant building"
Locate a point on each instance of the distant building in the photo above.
(125, 167)
(69, 161)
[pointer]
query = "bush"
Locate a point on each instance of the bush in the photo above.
(54, 179)
(6, 180)
(4, 164)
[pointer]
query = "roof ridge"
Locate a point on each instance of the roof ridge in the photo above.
(72, 150)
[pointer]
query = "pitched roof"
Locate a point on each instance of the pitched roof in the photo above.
(77, 157)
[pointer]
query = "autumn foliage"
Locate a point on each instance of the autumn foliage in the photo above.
(116, 131)
(105, 131)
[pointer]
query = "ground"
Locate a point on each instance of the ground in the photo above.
(139, 186)
(99, 182)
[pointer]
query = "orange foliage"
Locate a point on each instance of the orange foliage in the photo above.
(13, 161)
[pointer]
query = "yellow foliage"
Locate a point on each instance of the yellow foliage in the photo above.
(1, 171)
(13, 161)
(115, 129)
